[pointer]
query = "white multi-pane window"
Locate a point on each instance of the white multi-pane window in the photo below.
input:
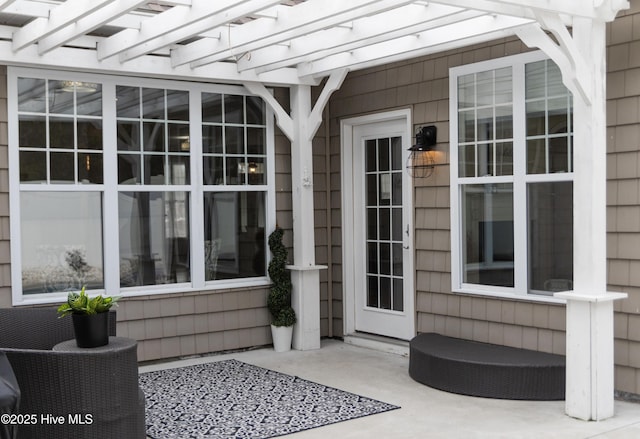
(136, 186)
(511, 178)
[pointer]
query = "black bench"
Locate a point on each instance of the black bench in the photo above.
(487, 370)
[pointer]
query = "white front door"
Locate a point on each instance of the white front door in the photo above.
(378, 226)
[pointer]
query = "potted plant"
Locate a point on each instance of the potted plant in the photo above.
(283, 317)
(90, 317)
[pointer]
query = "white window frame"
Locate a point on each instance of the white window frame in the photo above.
(110, 187)
(520, 179)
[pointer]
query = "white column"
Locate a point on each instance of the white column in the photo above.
(589, 339)
(305, 274)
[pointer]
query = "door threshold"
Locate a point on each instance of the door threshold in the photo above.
(378, 343)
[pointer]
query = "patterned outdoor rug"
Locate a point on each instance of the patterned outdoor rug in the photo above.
(232, 399)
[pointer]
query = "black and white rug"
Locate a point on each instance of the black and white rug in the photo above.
(232, 399)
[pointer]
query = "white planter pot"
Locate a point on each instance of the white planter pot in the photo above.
(281, 336)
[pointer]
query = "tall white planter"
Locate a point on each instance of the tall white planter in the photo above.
(281, 336)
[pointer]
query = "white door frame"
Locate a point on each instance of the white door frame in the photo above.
(348, 217)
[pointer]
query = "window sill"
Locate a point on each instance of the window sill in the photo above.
(511, 296)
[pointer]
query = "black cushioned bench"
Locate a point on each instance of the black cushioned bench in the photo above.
(487, 370)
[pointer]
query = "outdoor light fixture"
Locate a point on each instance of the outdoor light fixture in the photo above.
(421, 162)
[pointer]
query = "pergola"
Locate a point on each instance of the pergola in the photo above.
(296, 44)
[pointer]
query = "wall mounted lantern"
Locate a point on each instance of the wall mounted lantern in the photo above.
(421, 161)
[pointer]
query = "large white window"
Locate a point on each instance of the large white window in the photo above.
(511, 178)
(136, 186)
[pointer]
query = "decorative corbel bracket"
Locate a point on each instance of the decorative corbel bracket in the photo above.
(284, 120)
(565, 53)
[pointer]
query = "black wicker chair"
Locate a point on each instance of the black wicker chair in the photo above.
(101, 384)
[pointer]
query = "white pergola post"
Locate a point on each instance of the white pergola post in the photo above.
(305, 275)
(590, 367)
(300, 128)
(581, 57)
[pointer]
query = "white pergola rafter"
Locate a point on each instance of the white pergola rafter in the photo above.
(290, 23)
(312, 37)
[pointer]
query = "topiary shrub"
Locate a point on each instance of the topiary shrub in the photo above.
(279, 299)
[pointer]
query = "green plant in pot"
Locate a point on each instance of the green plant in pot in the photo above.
(90, 317)
(283, 317)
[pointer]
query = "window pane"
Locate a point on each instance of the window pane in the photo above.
(234, 232)
(255, 110)
(153, 136)
(558, 154)
(154, 169)
(536, 156)
(485, 160)
(211, 107)
(467, 161)
(466, 126)
(370, 156)
(179, 138)
(61, 133)
(484, 88)
(466, 91)
(256, 140)
(128, 136)
(504, 122)
(153, 103)
(89, 101)
(213, 170)
(536, 120)
(129, 171)
(32, 132)
(535, 77)
(61, 241)
(33, 166)
(154, 238)
(234, 140)
(212, 139)
(504, 88)
(550, 236)
(128, 101)
(61, 96)
(90, 168)
(89, 134)
(255, 171)
(488, 230)
(233, 109)
(504, 158)
(61, 167)
(31, 95)
(179, 170)
(178, 105)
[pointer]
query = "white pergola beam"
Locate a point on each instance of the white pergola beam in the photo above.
(83, 60)
(60, 16)
(406, 47)
(107, 14)
(527, 8)
(292, 22)
(413, 19)
(201, 22)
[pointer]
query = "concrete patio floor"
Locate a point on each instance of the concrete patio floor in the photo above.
(425, 412)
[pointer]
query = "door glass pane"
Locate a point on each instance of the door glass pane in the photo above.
(550, 236)
(384, 224)
(61, 241)
(488, 228)
(154, 238)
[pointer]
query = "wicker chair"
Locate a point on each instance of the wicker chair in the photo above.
(101, 384)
